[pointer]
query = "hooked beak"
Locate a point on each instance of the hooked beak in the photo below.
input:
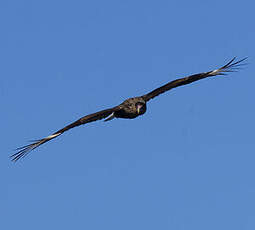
(139, 108)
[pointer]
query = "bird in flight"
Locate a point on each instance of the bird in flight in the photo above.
(132, 107)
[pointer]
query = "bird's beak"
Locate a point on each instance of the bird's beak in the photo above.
(139, 108)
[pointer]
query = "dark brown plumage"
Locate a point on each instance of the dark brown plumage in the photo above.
(130, 108)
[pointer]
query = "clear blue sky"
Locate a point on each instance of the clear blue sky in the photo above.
(187, 164)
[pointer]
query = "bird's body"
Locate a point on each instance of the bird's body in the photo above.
(130, 108)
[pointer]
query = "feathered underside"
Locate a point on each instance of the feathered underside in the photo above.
(231, 66)
(123, 110)
(23, 151)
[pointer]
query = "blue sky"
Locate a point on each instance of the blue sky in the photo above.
(188, 163)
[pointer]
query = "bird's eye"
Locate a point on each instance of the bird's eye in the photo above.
(139, 104)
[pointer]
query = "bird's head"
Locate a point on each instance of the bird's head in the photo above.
(140, 107)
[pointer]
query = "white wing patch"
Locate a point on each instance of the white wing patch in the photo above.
(53, 136)
(110, 117)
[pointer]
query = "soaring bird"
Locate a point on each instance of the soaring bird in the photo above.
(132, 107)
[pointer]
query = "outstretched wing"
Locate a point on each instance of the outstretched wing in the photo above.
(23, 151)
(231, 66)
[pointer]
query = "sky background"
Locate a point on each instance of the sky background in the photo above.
(187, 164)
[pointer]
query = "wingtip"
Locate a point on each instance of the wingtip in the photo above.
(233, 65)
(24, 150)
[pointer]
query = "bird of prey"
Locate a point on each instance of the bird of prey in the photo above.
(132, 107)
